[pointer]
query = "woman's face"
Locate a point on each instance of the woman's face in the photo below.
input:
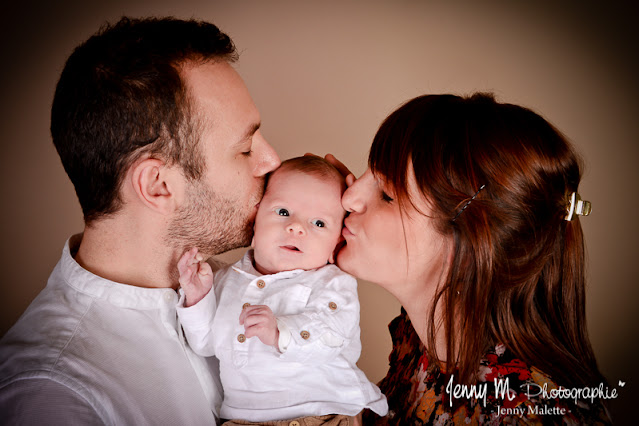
(397, 248)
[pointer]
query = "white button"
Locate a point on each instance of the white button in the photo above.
(168, 296)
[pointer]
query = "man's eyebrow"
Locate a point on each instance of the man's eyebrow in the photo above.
(250, 131)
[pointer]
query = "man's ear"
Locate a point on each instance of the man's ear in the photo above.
(153, 184)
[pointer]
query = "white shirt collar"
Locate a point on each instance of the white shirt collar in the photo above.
(245, 267)
(118, 294)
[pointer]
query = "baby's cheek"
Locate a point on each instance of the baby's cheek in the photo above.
(329, 249)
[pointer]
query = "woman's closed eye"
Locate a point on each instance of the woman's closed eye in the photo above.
(383, 189)
(387, 197)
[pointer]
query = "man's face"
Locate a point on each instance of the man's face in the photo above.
(299, 222)
(219, 210)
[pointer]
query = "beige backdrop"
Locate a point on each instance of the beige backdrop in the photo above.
(324, 75)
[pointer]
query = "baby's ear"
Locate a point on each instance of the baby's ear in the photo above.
(253, 239)
(341, 242)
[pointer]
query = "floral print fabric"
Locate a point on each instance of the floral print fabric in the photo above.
(420, 394)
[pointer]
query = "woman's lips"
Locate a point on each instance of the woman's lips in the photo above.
(346, 232)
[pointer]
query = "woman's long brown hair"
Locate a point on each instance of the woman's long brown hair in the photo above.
(517, 271)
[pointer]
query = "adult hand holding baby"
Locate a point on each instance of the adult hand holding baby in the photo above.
(341, 167)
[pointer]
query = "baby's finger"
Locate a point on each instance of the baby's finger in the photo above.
(187, 258)
(205, 269)
(246, 312)
(242, 316)
(258, 330)
(250, 311)
(184, 261)
(253, 308)
(185, 277)
(250, 331)
(253, 320)
(195, 256)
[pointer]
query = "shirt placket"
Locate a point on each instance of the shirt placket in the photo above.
(255, 293)
(168, 314)
(171, 322)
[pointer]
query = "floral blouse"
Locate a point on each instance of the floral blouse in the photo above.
(419, 394)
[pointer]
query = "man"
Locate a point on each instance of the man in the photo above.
(161, 140)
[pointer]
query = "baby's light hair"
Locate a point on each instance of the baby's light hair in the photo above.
(314, 166)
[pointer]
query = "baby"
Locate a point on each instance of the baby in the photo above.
(283, 321)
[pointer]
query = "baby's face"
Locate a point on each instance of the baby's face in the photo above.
(298, 223)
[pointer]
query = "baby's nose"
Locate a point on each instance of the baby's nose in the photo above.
(296, 228)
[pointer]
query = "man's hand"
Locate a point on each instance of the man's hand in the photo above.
(258, 320)
(196, 276)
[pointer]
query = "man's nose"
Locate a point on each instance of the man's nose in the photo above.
(266, 157)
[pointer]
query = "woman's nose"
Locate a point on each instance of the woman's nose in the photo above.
(295, 228)
(352, 199)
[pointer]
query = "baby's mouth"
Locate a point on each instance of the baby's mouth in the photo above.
(291, 248)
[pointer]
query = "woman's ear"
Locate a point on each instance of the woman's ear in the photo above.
(154, 183)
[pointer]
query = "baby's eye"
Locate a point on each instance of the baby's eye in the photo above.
(281, 211)
(319, 223)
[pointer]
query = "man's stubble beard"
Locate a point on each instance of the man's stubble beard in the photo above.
(211, 223)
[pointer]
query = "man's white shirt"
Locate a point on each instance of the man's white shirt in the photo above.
(92, 351)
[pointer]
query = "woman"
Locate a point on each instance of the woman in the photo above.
(462, 217)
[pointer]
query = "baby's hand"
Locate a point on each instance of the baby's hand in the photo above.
(258, 320)
(196, 276)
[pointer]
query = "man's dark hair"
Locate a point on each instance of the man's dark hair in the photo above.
(120, 96)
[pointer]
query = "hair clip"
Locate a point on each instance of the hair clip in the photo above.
(577, 207)
(469, 201)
